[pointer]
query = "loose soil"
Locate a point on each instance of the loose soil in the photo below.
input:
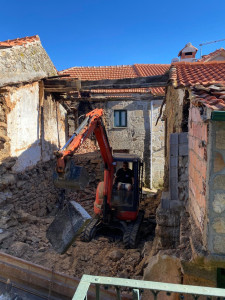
(106, 255)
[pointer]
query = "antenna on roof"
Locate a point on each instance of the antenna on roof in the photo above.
(206, 43)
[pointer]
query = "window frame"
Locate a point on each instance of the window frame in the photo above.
(120, 118)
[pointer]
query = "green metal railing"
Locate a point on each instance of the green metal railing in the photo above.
(137, 287)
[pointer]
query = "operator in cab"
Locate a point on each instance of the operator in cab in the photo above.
(124, 178)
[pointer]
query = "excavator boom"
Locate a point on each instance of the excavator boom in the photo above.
(69, 175)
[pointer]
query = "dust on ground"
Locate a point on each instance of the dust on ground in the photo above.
(105, 255)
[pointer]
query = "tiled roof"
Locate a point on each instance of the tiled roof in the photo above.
(150, 69)
(212, 96)
(98, 73)
(190, 74)
(119, 72)
(213, 55)
(19, 41)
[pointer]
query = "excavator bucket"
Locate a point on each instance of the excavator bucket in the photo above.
(74, 177)
(66, 226)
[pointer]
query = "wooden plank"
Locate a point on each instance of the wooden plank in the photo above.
(126, 83)
(149, 98)
(60, 90)
(33, 278)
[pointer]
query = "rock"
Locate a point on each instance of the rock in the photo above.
(9, 162)
(18, 249)
(7, 180)
(115, 255)
(5, 235)
(163, 268)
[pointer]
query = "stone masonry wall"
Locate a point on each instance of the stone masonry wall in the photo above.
(174, 116)
(25, 63)
(216, 203)
(158, 147)
(31, 128)
(198, 140)
(136, 137)
(33, 191)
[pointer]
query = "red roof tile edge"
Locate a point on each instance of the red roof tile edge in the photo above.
(19, 41)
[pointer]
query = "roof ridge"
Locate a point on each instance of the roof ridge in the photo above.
(197, 63)
(152, 64)
(96, 67)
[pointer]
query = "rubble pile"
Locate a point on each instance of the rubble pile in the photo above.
(25, 237)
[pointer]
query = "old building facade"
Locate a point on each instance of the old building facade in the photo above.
(130, 115)
(195, 111)
(32, 125)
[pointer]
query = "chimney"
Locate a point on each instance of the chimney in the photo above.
(188, 53)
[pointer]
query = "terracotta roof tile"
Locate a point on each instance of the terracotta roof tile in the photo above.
(118, 72)
(150, 69)
(190, 74)
(98, 73)
(20, 41)
(213, 55)
(205, 95)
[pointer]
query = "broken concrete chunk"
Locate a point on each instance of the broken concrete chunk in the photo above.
(66, 226)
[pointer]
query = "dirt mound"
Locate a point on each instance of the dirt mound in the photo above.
(105, 255)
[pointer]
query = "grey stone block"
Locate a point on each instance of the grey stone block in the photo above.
(66, 226)
(173, 150)
(173, 172)
(174, 161)
(174, 138)
(174, 193)
(176, 204)
(174, 188)
(183, 138)
(165, 201)
(183, 150)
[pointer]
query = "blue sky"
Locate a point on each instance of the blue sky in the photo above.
(101, 32)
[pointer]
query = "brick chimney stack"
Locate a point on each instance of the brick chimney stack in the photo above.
(188, 53)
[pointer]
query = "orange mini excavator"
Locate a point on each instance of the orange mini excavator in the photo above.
(115, 209)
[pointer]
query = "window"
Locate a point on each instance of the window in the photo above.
(188, 53)
(120, 118)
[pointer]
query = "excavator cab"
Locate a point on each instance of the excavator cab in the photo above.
(122, 212)
(126, 203)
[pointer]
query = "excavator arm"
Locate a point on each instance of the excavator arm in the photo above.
(93, 123)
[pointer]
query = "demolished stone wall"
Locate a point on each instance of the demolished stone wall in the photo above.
(33, 191)
(174, 118)
(171, 215)
(31, 128)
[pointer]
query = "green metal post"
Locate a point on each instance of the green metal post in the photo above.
(136, 294)
(97, 292)
(118, 293)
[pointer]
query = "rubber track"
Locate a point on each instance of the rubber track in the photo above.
(130, 237)
(89, 232)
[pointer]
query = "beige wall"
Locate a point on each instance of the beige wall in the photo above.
(34, 126)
